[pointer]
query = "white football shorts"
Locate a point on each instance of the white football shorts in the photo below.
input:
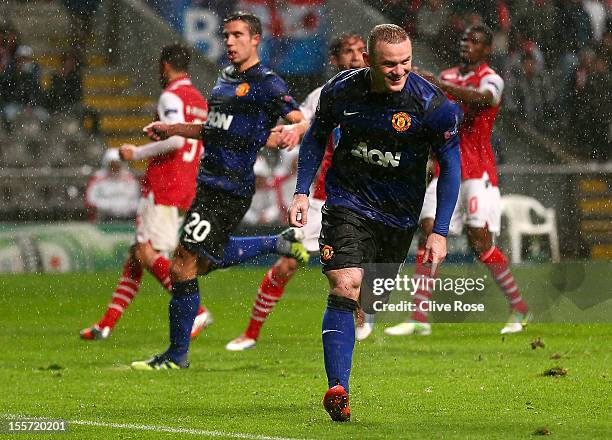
(478, 205)
(158, 225)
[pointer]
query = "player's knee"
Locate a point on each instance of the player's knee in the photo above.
(479, 240)
(142, 253)
(477, 248)
(182, 270)
(345, 282)
(176, 269)
(206, 266)
(183, 266)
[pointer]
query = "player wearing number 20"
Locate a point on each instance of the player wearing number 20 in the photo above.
(245, 104)
(168, 186)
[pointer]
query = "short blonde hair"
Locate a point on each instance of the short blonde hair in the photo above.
(387, 33)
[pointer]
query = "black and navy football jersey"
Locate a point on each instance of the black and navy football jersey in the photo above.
(379, 166)
(243, 108)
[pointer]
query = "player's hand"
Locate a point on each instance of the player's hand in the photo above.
(157, 130)
(288, 136)
(298, 212)
(126, 152)
(435, 250)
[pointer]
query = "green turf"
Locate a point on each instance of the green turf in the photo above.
(464, 381)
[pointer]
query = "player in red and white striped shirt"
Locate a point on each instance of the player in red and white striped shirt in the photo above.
(345, 53)
(478, 89)
(168, 187)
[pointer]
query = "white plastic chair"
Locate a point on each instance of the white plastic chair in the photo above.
(517, 209)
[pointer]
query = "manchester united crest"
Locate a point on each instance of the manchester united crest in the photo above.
(327, 253)
(243, 89)
(401, 121)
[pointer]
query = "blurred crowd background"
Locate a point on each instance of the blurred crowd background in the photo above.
(554, 55)
(78, 77)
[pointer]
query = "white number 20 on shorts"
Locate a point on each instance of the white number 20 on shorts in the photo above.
(198, 229)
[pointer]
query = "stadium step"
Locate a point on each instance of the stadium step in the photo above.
(597, 238)
(105, 82)
(117, 141)
(45, 26)
(52, 61)
(596, 226)
(601, 252)
(123, 124)
(596, 207)
(114, 103)
(595, 210)
(593, 186)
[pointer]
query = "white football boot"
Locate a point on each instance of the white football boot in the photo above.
(241, 343)
(516, 322)
(409, 328)
(201, 321)
(364, 325)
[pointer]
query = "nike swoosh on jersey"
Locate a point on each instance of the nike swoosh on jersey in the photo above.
(328, 331)
(350, 113)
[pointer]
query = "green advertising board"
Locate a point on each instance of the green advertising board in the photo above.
(63, 247)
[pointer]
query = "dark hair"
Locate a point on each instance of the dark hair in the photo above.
(253, 22)
(335, 47)
(387, 33)
(177, 55)
(483, 29)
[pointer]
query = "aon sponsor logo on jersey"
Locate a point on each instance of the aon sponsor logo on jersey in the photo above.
(219, 120)
(376, 157)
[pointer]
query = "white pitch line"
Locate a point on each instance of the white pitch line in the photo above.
(157, 428)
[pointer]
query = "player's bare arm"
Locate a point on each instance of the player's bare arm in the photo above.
(468, 95)
(461, 94)
(288, 135)
(159, 131)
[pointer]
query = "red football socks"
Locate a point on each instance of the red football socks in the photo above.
(497, 263)
(122, 296)
(160, 269)
(270, 291)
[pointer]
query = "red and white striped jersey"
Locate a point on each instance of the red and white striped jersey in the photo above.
(171, 177)
(475, 131)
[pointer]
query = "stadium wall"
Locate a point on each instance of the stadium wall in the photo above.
(134, 36)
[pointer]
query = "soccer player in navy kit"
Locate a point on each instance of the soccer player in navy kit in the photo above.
(244, 106)
(389, 120)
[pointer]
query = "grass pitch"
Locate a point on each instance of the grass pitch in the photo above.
(464, 381)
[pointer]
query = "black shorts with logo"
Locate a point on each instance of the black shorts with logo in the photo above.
(211, 219)
(350, 240)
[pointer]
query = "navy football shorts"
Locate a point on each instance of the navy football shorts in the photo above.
(350, 240)
(211, 219)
